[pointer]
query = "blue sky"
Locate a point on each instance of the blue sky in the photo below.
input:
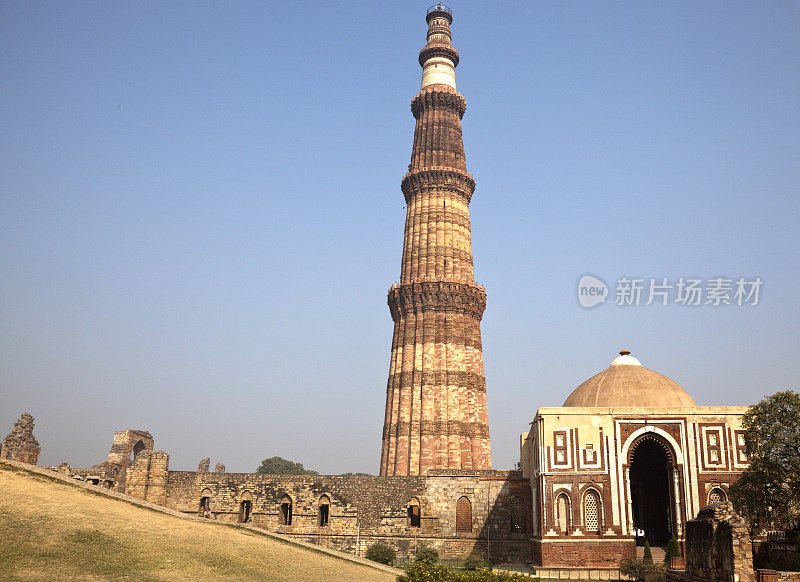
(200, 211)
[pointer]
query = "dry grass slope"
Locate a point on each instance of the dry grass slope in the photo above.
(52, 531)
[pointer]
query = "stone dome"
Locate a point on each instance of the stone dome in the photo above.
(626, 383)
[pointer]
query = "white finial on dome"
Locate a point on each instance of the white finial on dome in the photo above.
(625, 359)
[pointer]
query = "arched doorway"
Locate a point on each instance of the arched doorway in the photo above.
(246, 508)
(204, 510)
(286, 510)
(413, 513)
(324, 510)
(650, 478)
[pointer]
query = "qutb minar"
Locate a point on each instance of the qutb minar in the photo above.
(436, 393)
(628, 458)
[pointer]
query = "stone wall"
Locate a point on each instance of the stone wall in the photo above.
(596, 553)
(361, 509)
(718, 547)
(20, 444)
(147, 476)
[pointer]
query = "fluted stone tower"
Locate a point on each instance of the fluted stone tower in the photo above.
(436, 394)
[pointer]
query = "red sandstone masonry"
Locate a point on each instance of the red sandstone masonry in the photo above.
(436, 414)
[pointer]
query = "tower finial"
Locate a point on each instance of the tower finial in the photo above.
(438, 59)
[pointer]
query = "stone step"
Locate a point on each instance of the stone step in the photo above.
(658, 553)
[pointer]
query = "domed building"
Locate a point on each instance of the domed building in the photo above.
(629, 456)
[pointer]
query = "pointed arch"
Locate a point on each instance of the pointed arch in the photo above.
(563, 512)
(286, 510)
(717, 495)
(592, 510)
(246, 507)
(137, 448)
(463, 514)
(204, 507)
(323, 513)
(517, 511)
(413, 510)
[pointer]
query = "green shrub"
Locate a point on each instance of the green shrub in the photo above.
(648, 555)
(673, 551)
(437, 573)
(642, 571)
(427, 556)
(381, 553)
(475, 562)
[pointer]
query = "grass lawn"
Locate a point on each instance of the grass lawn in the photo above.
(52, 531)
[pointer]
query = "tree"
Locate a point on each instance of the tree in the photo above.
(673, 550)
(768, 492)
(648, 554)
(280, 466)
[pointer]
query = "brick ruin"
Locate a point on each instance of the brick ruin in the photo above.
(459, 512)
(20, 444)
(128, 445)
(718, 547)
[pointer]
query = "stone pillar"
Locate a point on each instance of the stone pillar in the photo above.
(157, 482)
(678, 515)
(146, 477)
(628, 501)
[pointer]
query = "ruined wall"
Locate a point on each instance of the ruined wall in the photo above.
(718, 547)
(146, 478)
(361, 509)
(20, 444)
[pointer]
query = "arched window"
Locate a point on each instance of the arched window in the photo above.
(246, 508)
(324, 510)
(563, 513)
(204, 509)
(717, 495)
(591, 510)
(413, 512)
(286, 510)
(517, 509)
(463, 515)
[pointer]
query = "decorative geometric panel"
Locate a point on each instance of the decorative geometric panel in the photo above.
(591, 511)
(714, 447)
(517, 515)
(716, 495)
(560, 438)
(741, 447)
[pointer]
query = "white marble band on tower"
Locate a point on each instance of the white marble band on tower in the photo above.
(439, 59)
(438, 70)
